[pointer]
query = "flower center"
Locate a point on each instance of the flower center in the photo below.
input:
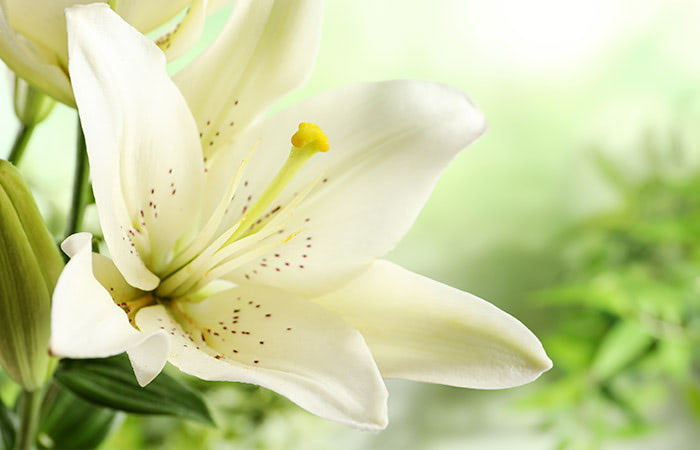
(131, 307)
(205, 260)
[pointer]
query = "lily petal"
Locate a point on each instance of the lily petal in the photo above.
(422, 330)
(29, 63)
(266, 49)
(50, 36)
(142, 142)
(147, 15)
(282, 342)
(176, 42)
(85, 321)
(389, 143)
(24, 15)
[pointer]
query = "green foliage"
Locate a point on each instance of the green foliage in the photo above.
(7, 427)
(248, 417)
(68, 422)
(111, 382)
(29, 267)
(627, 310)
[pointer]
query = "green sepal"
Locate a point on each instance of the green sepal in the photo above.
(29, 267)
(111, 382)
(68, 421)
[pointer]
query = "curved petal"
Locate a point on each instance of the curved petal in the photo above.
(266, 49)
(28, 63)
(422, 330)
(149, 358)
(389, 143)
(147, 15)
(279, 341)
(145, 157)
(25, 15)
(85, 321)
(177, 41)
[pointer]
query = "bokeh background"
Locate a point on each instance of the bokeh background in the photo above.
(578, 212)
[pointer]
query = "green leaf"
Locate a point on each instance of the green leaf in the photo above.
(69, 422)
(111, 382)
(624, 344)
(7, 427)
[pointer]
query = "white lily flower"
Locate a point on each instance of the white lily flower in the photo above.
(261, 266)
(33, 34)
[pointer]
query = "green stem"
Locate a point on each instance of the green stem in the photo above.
(30, 406)
(21, 141)
(81, 185)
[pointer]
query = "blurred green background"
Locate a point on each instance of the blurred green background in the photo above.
(578, 212)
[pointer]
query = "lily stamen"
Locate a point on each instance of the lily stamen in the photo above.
(306, 142)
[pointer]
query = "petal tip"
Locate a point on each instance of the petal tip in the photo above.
(75, 13)
(544, 363)
(474, 118)
(74, 243)
(149, 357)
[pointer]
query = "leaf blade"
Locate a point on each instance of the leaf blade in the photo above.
(110, 382)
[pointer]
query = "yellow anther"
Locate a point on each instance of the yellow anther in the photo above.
(309, 134)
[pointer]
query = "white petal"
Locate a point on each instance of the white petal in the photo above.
(29, 63)
(149, 358)
(266, 49)
(389, 143)
(26, 15)
(422, 330)
(279, 341)
(144, 153)
(147, 15)
(185, 34)
(85, 321)
(43, 23)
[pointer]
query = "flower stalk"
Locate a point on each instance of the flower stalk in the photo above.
(30, 407)
(20, 144)
(81, 185)
(31, 107)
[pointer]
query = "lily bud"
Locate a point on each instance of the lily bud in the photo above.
(29, 267)
(31, 105)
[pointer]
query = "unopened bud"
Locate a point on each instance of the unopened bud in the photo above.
(29, 267)
(31, 106)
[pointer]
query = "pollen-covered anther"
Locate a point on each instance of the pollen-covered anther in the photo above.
(309, 134)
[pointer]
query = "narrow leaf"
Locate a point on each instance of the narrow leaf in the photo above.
(110, 382)
(622, 345)
(69, 422)
(7, 427)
